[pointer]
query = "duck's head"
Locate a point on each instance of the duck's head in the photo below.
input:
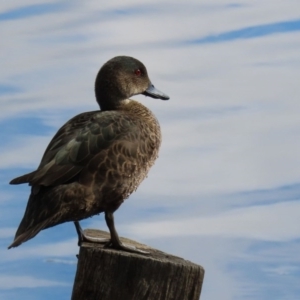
(119, 79)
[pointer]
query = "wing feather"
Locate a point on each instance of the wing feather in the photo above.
(75, 145)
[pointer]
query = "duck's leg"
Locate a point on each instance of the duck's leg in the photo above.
(82, 237)
(114, 237)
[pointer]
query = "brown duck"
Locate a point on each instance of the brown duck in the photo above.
(98, 158)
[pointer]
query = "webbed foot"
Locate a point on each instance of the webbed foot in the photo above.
(124, 247)
(82, 237)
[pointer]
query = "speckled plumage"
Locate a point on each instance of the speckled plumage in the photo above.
(97, 159)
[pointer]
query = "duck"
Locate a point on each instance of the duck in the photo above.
(97, 159)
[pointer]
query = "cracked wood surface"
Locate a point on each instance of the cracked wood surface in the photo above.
(108, 274)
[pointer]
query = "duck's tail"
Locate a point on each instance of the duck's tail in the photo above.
(22, 237)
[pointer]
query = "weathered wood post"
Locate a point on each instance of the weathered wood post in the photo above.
(117, 275)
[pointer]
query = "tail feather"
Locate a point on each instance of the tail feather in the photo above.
(29, 234)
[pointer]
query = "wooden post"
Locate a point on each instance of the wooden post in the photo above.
(117, 275)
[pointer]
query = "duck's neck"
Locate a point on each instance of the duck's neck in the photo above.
(137, 109)
(109, 104)
(108, 100)
(107, 94)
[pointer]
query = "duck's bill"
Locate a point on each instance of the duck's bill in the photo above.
(151, 91)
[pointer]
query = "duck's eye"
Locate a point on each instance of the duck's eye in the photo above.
(138, 72)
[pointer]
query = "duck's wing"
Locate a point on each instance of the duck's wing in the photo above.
(75, 145)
